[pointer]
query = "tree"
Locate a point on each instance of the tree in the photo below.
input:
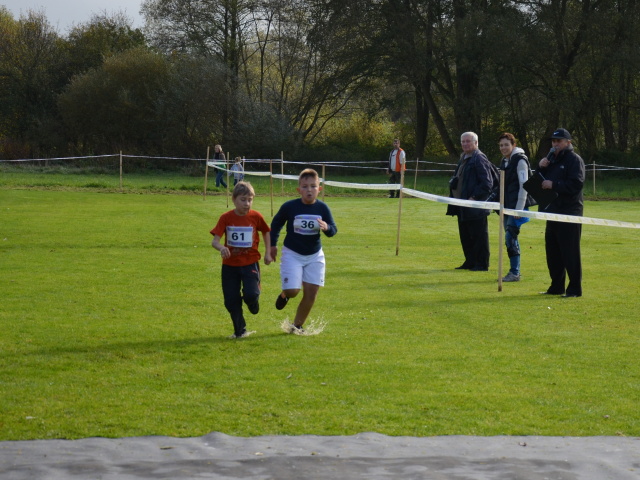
(101, 37)
(31, 74)
(191, 105)
(115, 107)
(319, 67)
(204, 28)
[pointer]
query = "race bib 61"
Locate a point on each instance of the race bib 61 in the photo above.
(240, 237)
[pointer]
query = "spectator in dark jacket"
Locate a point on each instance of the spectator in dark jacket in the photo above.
(564, 173)
(515, 165)
(472, 181)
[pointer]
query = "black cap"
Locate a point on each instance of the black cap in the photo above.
(561, 133)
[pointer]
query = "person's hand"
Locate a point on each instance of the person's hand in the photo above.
(324, 226)
(274, 254)
(267, 258)
(544, 163)
(225, 252)
(547, 185)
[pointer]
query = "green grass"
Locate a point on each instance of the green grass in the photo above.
(113, 325)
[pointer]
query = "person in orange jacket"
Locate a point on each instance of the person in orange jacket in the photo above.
(397, 163)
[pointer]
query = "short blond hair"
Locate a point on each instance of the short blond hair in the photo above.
(308, 172)
(243, 188)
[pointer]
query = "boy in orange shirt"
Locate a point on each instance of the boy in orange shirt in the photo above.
(240, 255)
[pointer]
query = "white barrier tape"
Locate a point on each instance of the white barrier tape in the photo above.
(263, 160)
(349, 166)
(280, 160)
(365, 186)
(613, 167)
(59, 158)
(257, 174)
(165, 158)
(286, 177)
(522, 213)
(570, 218)
(452, 201)
(407, 191)
(243, 172)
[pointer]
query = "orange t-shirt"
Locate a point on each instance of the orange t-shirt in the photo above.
(241, 236)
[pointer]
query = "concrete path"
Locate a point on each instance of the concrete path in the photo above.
(368, 456)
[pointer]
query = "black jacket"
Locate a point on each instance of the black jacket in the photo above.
(476, 182)
(567, 173)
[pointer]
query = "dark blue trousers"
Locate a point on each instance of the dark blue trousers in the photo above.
(238, 284)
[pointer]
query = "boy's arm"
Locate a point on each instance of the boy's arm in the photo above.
(276, 225)
(224, 251)
(267, 248)
(329, 228)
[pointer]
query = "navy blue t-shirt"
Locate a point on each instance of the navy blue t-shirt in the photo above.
(303, 231)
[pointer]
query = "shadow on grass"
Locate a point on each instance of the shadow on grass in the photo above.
(155, 346)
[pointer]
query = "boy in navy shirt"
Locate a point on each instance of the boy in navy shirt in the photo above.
(302, 266)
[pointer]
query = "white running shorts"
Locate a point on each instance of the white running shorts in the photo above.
(296, 268)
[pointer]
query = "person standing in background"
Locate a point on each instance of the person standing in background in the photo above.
(564, 173)
(472, 180)
(238, 171)
(515, 165)
(220, 161)
(397, 161)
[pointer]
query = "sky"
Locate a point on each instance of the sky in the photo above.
(62, 14)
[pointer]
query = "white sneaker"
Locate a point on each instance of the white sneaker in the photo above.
(245, 334)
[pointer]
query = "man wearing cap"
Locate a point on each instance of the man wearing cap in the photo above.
(564, 173)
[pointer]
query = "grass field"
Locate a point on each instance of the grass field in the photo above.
(113, 325)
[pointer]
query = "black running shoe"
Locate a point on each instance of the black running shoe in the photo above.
(281, 302)
(254, 308)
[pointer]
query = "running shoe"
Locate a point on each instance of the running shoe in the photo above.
(281, 302)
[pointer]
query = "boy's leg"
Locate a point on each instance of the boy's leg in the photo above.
(290, 276)
(312, 279)
(251, 286)
(231, 284)
(309, 295)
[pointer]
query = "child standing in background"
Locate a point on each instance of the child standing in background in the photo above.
(240, 255)
(238, 171)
